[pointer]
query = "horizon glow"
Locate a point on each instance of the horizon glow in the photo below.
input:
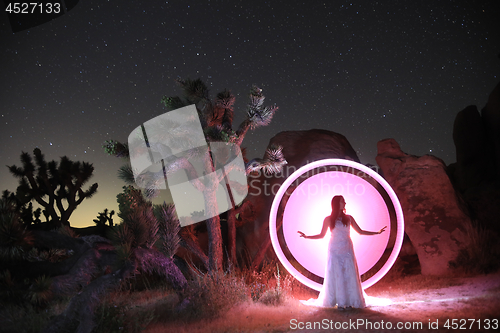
(309, 204)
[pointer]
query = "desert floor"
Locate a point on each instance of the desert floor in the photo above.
(412, 304)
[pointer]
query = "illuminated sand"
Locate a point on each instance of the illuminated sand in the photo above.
(435, 299)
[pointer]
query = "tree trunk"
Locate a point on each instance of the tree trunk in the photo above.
(215, 257)
(242, 131)
(231, 230)
(259, 257)
(189, 242)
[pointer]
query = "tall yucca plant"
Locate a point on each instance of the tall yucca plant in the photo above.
(139, 229)
(169, 228)
(216, 117)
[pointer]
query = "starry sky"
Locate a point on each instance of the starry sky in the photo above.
(366, 69)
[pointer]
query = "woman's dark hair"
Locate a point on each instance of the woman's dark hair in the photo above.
(336, 212)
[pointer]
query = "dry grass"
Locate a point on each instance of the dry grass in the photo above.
(246, 317)
(415, 298)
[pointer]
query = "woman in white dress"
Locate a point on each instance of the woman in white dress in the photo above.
(342, 284)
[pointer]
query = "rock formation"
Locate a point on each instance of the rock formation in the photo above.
(491, 119)
(476, 174)
(474, 163)
(437, 200)
(299, 149)
(434, 216)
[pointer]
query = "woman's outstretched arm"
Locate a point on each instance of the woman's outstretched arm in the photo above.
(326, 224)
(360, 231)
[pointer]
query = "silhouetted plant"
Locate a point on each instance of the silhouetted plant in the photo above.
(50, 184)
(103, 217)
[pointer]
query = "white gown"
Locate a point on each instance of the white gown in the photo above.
(342, 284)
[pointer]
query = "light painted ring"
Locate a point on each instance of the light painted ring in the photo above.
(336, 162)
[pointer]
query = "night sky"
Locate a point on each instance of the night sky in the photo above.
(368, 70)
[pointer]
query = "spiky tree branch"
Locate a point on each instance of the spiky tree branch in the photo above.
(257, 114)
(50, 185)
(273, 161)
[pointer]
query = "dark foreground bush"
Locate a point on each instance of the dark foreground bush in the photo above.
(482, 255)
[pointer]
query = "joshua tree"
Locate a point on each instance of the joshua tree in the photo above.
(25, 209)
(57, 188)
(103, 217)
(216, 117)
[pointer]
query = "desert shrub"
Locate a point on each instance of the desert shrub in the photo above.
(482, 254)
(257, 289)
(211, 294)
(277, 294)
(257, 282)
(50, 255)
(270, 285)
(40, 290)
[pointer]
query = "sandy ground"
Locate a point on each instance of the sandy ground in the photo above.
(472, 304)
(469, 304)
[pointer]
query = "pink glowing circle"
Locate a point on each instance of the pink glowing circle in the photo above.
(305, 208)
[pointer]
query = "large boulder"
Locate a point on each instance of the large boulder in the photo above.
(491, 118)
(475, 164)
(299, 149)
(303, 147)
(476, 173)
(434, 216)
